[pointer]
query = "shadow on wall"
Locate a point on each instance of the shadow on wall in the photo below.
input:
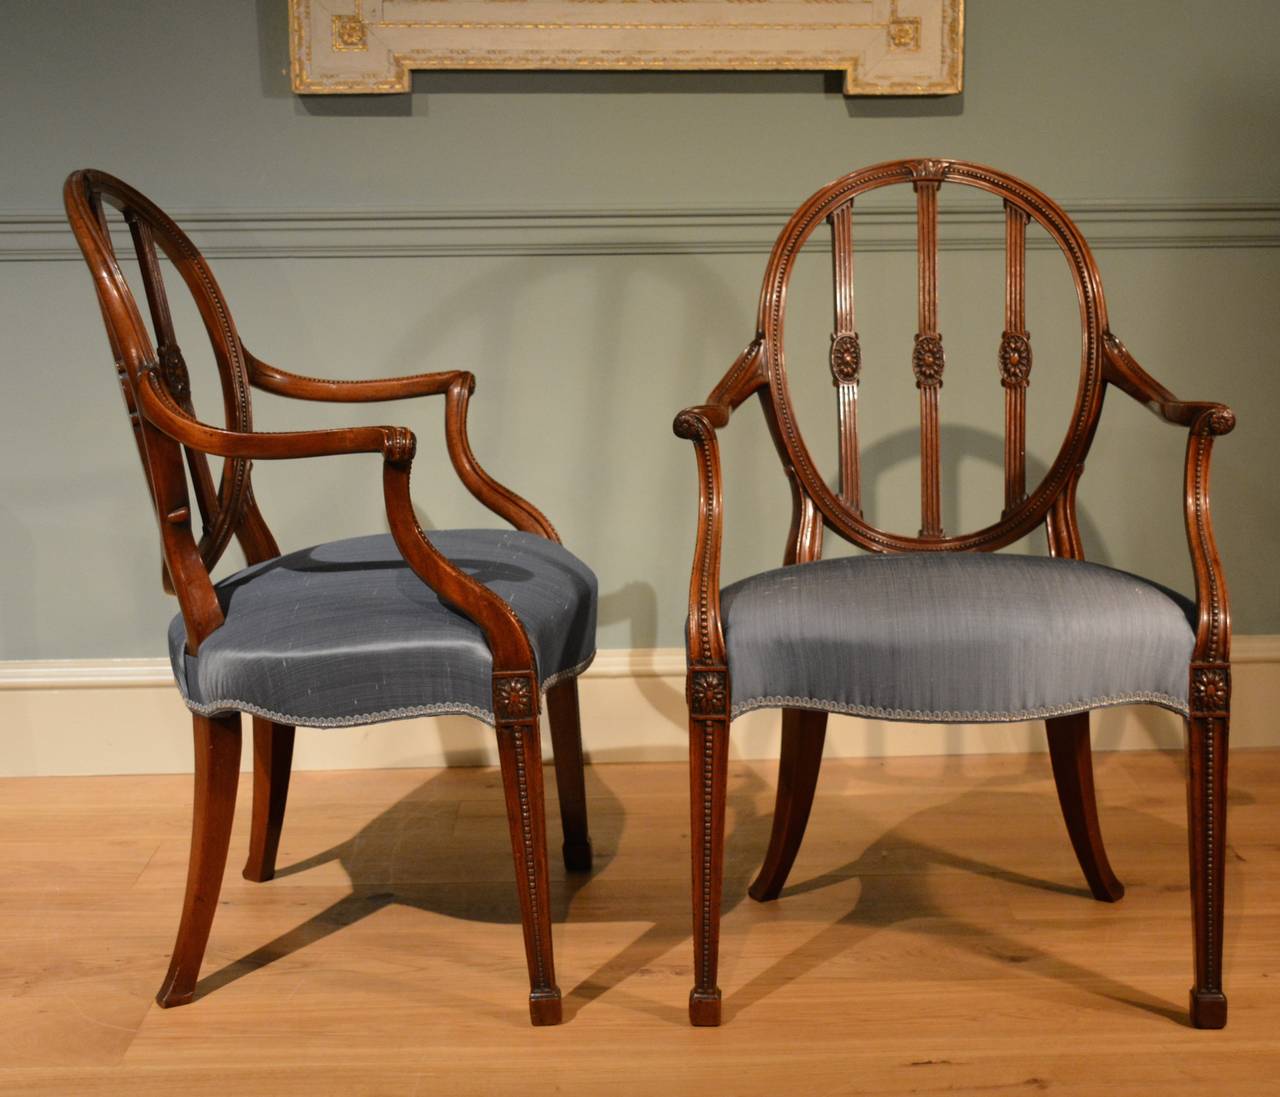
(604, 445)
(960, 443)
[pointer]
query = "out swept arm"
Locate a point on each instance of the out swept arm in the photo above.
(502, 629)
(1121, 369)
(1205, 421)
(160, 410)
(282, 383)
(699, 425)
(457, 387)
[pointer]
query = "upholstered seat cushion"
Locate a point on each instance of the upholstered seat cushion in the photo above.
(955, 637)
(345, 633)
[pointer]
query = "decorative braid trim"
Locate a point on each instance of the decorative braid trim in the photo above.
(1164, 700)
(443, 708)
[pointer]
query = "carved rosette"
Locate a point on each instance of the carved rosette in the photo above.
(1219, 421)
(350, 33)
(1210, 689)
(1015, 359)
(513, 698)
(173, 372)
(846, 358)
(707, 694)
(927, 361)
(399, 445)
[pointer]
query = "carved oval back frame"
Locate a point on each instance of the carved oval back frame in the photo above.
(131, 340)
(1047, 213)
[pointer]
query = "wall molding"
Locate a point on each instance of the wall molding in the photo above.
(1132, 223)
(101, 716)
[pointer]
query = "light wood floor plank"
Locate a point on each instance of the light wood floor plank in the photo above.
(936, 937)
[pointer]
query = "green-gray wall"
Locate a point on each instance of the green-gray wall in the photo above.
(591, 247)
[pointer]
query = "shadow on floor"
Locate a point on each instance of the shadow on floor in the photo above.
(389, 860)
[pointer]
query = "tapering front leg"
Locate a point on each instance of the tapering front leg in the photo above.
(708, 778)
(803, 735)
(217, 765)
(1072, 757)
(1207, 737)
(566, 740)
(272, 762)
(515, 700)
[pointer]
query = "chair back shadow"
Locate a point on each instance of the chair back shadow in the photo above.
(175, 445)
(405, 857)
(761, 370)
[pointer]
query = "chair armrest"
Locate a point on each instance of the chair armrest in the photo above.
(706, 635)
(282, 383)
(1210, 671)
(1121, 369)
(502, 629)
(457, 387)
(154, 401)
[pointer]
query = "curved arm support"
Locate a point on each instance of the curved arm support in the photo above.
(502, 629)
(501, 500)
(706, 637)
(154, 401)
(1213, 626)
(282, 383)
(1121, 369)
(1206, 421)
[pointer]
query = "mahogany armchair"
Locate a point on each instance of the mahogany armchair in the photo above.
(937, 626)
(369, 629)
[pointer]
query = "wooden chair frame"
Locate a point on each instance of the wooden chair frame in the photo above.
(1105, 362)
(172, 441)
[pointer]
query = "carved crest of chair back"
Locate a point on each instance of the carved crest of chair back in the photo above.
(223, 508)
(1052, 500)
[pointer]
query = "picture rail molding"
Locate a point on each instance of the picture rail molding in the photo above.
(42, 236)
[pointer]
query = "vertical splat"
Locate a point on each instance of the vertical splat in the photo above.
(927, 357)
(173, 367)
(1015, 356)
(846, 356)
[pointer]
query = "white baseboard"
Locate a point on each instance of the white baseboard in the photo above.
(125, 716)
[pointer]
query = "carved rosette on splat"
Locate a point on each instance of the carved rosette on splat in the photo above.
(1210, 689)
(927, 361)
(709, 693)
(173, 372)
(846, 358)
(513, 698)
(1015, 359)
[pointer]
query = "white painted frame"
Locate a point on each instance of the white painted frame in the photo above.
(883, 47)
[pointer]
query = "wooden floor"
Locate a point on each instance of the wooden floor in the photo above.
(936, 938)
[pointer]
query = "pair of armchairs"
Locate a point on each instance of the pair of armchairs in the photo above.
(930, 627)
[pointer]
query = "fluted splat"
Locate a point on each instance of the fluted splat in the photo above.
(846, 355)
(927, 356)
(1015, 357)
(172, 366)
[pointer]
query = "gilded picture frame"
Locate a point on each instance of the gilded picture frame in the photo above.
(883, 47)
